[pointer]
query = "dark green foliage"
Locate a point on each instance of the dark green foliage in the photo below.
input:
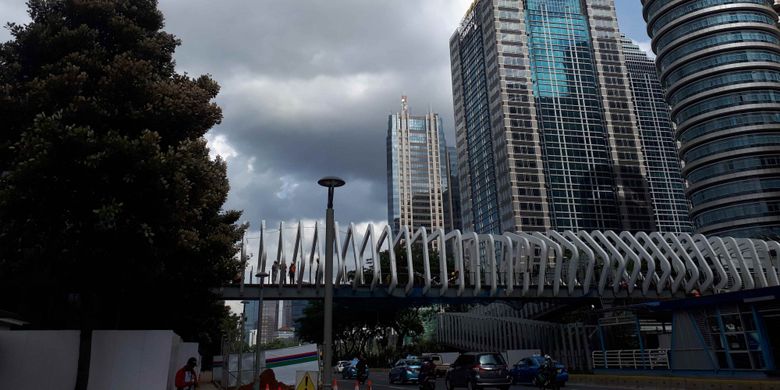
(110, 208)
(357, 324)
(402, 265)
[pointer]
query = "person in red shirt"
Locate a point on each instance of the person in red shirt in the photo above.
(186, 379)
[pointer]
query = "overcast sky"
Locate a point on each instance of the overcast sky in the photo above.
(307, 87)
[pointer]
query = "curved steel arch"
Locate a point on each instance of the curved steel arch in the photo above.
(551, 264)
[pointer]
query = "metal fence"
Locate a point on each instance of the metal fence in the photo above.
(649, 359)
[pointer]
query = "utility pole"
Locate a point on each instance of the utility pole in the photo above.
(327, 373)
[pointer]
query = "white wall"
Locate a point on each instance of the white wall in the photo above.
(129, 360)
(285, 374)
(39, 359)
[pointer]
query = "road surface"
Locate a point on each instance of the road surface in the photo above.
(379, 380)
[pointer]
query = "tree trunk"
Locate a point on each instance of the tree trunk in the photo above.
(88, 313)
(85, 354)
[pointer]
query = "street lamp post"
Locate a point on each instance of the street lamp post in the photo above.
(259, 356)
(241, 342)
(330, 182)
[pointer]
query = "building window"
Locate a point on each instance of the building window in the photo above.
(735, 338)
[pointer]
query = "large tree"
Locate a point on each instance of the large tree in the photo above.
(110, 207)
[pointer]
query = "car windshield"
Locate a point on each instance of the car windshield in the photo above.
(540, 360)
(412, 362)
(492, 358)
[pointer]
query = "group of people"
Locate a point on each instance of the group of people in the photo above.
(279, 273)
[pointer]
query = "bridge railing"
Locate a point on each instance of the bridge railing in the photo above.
(527, 264)
(650, 359)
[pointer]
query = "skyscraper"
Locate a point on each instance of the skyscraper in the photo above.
(452, 212)
(719, 63)
(667, 188)
(546, 126)
(270, 320)
(416, 170)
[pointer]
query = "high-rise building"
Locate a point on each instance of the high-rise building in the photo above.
(298, 312)
(270, 324)
(546, 125)
(719, 64)
(416, 170)
(452, 211)
(667, 188)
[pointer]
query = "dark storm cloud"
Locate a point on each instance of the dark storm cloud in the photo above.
(306, 90)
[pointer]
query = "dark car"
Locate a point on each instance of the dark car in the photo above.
(478, 369)
(350, 372)
(405, 370)
(526, 370)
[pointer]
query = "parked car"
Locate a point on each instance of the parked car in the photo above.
(478, 369)
(404, 371)
(350, 372)
(526, 370)
(341, 365)
(441, 367)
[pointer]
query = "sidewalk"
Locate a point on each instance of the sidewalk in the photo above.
(669, 383)
(205, 381)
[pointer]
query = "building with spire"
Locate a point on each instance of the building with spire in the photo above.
(417, 174)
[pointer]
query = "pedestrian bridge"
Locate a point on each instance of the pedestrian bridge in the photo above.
(522, 265)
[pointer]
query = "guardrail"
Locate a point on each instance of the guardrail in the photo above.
(649, 359)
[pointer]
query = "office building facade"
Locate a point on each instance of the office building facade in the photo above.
(270, 321)
(719, 63)
(452, 211)
(656, 132)
(546, 126)
(416, 170)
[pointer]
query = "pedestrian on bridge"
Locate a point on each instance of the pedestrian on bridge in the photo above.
(292, 273)
(274, 271)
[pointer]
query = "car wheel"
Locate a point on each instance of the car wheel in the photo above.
(448, 384)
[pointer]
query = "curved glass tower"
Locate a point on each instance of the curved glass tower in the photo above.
(719, 62)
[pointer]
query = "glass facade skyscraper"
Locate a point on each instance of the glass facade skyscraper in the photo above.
(417, 174)
(452, 211)
(270, 321)
(719, 63)
(547, 130)
(667, 188)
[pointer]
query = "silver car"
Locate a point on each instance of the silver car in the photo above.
(341, 365)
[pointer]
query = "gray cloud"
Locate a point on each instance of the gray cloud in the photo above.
(307, 86)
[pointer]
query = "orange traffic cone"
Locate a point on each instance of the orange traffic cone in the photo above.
(369, 384)
(335, 385)
(357, 385)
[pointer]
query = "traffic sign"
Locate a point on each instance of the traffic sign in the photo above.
(306, 382)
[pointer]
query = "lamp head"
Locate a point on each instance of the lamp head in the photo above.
(331, 182)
